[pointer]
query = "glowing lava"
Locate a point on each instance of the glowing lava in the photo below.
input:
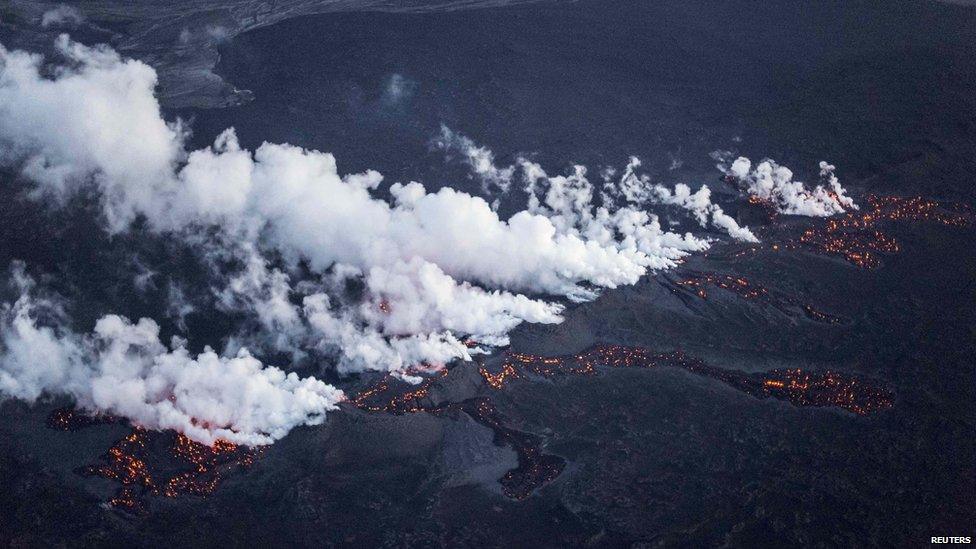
(69, 419)
(535, 468)
(858, 237)
(169, 464)
(382, 397)
(795, 386)
(140, 464)
(696, 283)
(203, 479)
(152, 463)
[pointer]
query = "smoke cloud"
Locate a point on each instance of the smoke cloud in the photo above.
(441, 273)
(563, 194)
(61, 15)
(123, 369)
(480, 159)
(639, 189)
(774, 183)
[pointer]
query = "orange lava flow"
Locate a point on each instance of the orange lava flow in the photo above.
(798, 387)
(381, 397)
(497, 381)
(123, 466)
(697, 282)
(737, 284)
(826, 389)
(157, 463)
(203, 479)
(858, 237)
(69, 419)
(535, 468)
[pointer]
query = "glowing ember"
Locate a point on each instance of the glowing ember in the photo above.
(535, 468)
(696, 282)
(857, 236)
(123, 466)
(497, 381)
(825, 389)
(206, 460)
(852, 238)
(767, 205)
(69, 419)
(152, 463)
(383, 398)
(794, 386)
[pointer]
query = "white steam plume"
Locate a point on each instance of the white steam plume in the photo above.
(772, 182)
(441, 273)
(480, 159)
(123, 369)
(437, 267)
(61, 15)
(632, 189)
(638, 189)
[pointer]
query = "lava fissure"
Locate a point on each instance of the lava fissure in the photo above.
(535, 468)
(858, 238)
(156, 463)
(796, 386)
(696, 282)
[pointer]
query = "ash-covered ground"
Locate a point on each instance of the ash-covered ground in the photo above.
(816, 388)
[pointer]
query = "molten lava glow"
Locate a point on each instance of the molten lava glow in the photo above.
(151, 463)
(123, 466)
(68, 419)
(826, 389)
(767, 205)
(381, 397)
(535, 468)
(169, 464)
(156, 463)
(203, 479)
(857, 236)
(497, 381)
(737, 284)
(697, 282)
(792, 385)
